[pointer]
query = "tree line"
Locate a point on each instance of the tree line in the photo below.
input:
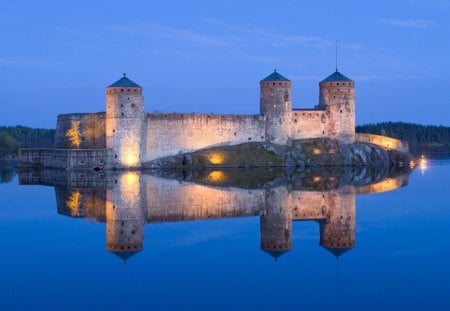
(14, 137)
(421, 138)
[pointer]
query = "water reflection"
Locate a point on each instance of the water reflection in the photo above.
(128, 200)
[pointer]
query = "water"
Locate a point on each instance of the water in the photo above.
(202, 240)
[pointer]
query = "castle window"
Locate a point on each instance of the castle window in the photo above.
(249, 138)
(337, 83)
(279, 83)
(341, 110)
(121, 90)
(121, 105)
(128, 90)
(122, 114)
(295, 120)
(132, 105)
(274, 83)
(114, 130)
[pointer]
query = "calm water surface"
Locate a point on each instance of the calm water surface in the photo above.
(142, 241)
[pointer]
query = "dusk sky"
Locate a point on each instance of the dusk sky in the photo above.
(209, 56)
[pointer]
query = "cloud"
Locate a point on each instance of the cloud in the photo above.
(27, 62)
(409, 23)
(248, 33)
(172, 33)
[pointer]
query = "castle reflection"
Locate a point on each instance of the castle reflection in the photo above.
(127, 200)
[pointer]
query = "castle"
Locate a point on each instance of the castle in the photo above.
(132, 137)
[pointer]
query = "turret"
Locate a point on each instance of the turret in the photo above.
(124, 123)
(337, 97)
(275, 103)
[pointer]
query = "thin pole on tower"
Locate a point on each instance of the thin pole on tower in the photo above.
(336, 55)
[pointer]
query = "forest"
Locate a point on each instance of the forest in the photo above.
(421, 138)
(14, 137)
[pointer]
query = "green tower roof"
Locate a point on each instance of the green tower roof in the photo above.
(336, 76)
(124, 82)
(275, 76)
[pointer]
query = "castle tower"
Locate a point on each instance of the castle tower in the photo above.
(337, 231)
(276, 106)
(125, 216)
(124, 123)
(276, 223)
(337, 96)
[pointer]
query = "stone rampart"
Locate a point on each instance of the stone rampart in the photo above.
(174, 133)
(308, 123)
(81, 131)
(383, 141)
(62, 158)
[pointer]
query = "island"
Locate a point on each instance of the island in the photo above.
(126, 137)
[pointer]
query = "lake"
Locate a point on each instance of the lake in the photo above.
(331, 239)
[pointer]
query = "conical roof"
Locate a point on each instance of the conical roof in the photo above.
(276, 254)
(124, 82)
(336, 76)
(125, 255)
(275, 76)
(337, 251)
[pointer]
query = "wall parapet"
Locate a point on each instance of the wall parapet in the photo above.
(63, 158)
(383, 141)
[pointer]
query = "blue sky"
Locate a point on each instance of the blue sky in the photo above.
(208, 56)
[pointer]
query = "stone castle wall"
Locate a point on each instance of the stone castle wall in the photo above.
(383, 141)
(174, 133)
(62, 158)
(91, 128)
(309, 124)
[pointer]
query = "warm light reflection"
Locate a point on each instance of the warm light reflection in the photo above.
(423, 164)
(73, 134)
(73, 202)
(316, 151)
(216, 158)
(216, 176)
(130, 178)
(316, 178)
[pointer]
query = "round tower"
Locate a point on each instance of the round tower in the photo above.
(337, 97)
(276, 223)
(276, 106)
(124, 123)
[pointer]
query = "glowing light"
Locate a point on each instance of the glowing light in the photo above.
(316, 151)
(216, 176)
(73, 202)
(316, 179)
(216, 158)
(130, 159)
(73, 134)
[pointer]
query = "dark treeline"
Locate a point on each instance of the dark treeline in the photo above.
(14, 137)
(421, 138)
